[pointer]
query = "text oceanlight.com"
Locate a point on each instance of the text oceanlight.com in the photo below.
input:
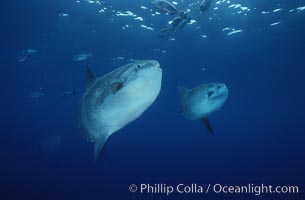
(194, 188)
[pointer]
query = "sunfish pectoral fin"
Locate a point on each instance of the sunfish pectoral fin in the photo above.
(99, 144)
(90, 77)
(183, 90)
(115, 87)
(205, 121)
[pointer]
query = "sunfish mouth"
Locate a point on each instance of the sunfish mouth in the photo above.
(153, 63)
(222, 90)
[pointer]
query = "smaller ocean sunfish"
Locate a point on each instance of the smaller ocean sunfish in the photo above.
(200, 102)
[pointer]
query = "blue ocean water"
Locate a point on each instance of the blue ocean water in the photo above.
(255, 47)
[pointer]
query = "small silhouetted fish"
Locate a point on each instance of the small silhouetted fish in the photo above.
(23, 58)
(176, 23)
(183, 23)
(179, 22)
(26, 54)
(51, 144)
(82, 57)
(167, 7)
(63, 14)
(32, 51)
(68, 93)
(204, 5)
(35, 95)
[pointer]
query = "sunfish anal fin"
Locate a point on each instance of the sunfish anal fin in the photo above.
(90, 77)
(205, 121)
(183, 90)
(99, 144)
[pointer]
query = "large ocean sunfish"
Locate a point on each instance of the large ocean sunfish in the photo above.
(116, 99)
(200, 102)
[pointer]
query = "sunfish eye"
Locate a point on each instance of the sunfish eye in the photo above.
(138, 66)
(210, 93)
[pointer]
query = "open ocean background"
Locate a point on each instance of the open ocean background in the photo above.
(259, 135)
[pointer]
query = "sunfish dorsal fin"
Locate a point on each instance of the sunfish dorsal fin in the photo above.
(99, 144)
(90, 77)
(183, 90)
(205, 121)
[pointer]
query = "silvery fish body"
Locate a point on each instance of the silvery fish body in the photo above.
(116, 99)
